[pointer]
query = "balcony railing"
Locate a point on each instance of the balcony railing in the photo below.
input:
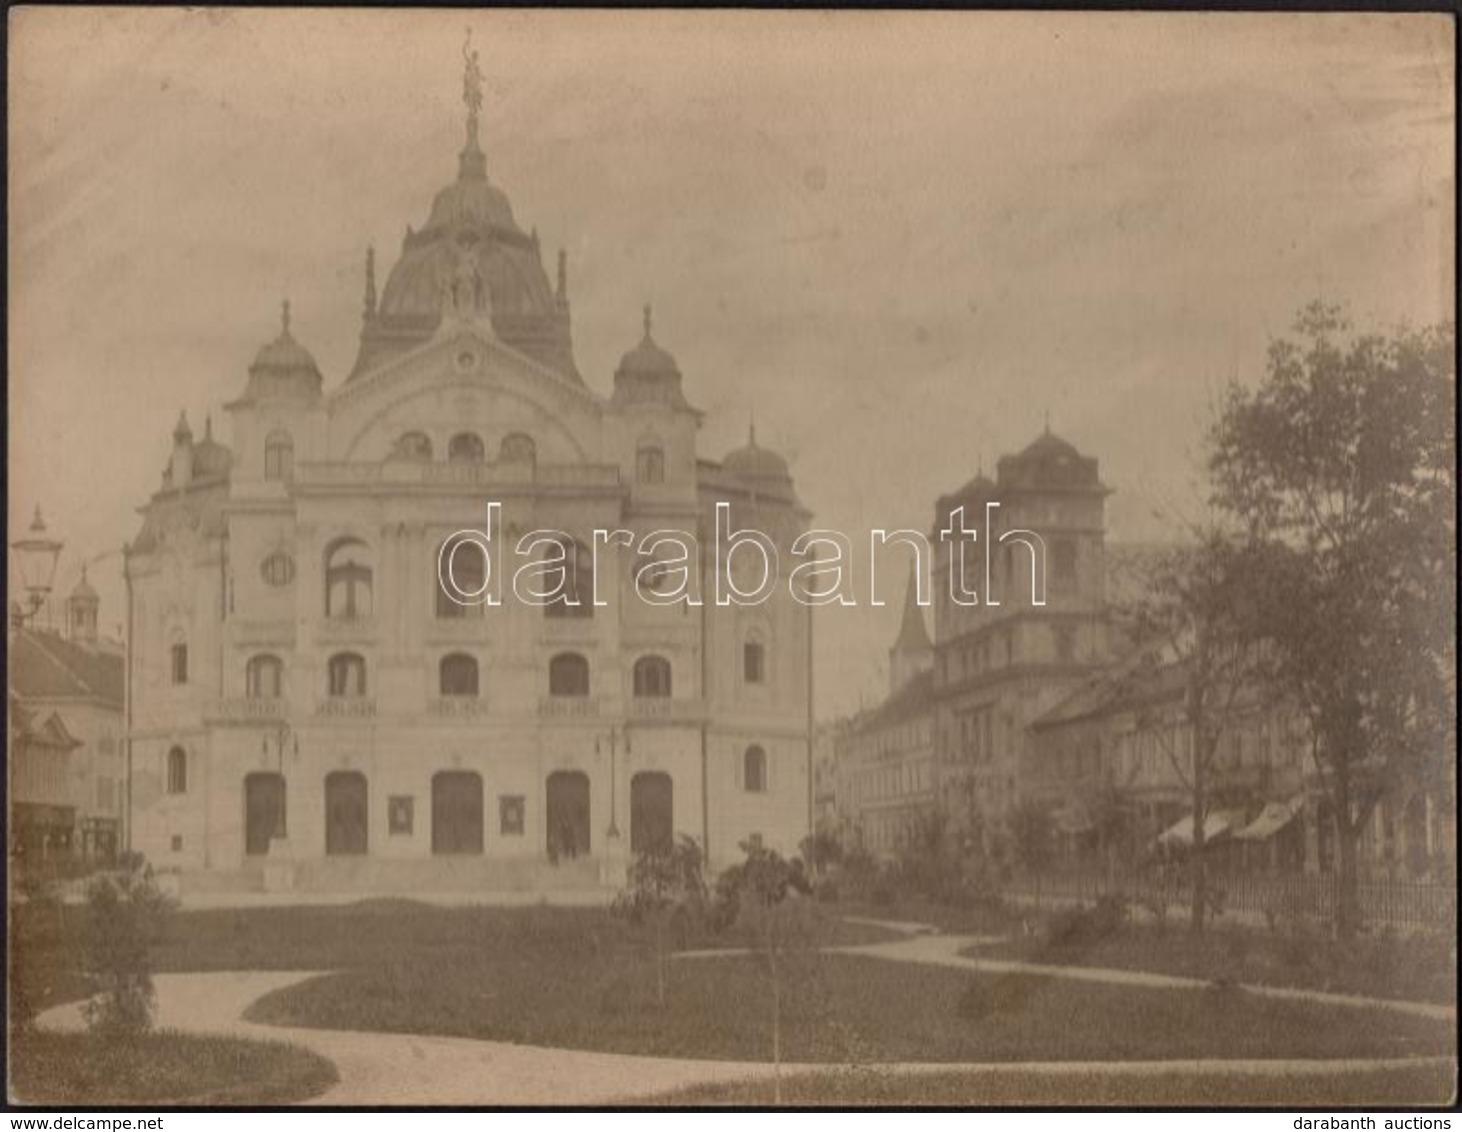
(346, 707)
(408, 473)
(240, 709)
(568, 707)
(664, 709)
(344, 630)
(457, 707)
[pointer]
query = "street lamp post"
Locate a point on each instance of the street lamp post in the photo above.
(36, 557)
(616, 734)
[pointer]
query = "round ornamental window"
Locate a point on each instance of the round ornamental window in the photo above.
(278, 569)
(466, 360)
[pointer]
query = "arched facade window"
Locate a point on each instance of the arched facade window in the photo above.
(457, 675)
(278, 456)
(568, 675)
(177, 771)
(264, 677)
(467, 561)
(652, 676)
(412, 446)
(518, 448)
(577, 596)
(277, 570)
(754, 770)
(348, 578)
(753, 661)
(347, 675)
(650, 464)
(465, 448)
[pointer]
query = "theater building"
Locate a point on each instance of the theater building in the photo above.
(309, 709)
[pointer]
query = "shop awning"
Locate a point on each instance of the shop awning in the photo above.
(1274, 817)
(1215, 825)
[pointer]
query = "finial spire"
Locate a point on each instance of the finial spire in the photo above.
(181, 431)
(647, 320)
(284, 316)
(563, 275)
(1048, 422)
(207, 428)
(751, 429)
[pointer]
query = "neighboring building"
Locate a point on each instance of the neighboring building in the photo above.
(66, 760)
(1001, 663)
(304, 690)
(1113, 762)
(884, 757)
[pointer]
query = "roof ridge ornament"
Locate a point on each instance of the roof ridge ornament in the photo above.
(473, 163)
(284, 319)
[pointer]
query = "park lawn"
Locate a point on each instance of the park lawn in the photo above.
(566, 992)
(1420, 968)
(48, 945)
(161, 1067)
(1430, 1083)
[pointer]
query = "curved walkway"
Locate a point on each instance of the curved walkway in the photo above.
(387, 1069)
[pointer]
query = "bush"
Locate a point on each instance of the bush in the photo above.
(1081, 927)
(126, 916)
(1010, 994)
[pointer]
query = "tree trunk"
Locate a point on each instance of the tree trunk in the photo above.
(1199, 862)
(776, 1014)
(1347, 833)
(660, 961)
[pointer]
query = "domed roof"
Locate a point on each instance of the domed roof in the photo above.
(211, 458)
(1049, 462)
(283, 367)
(83, 590)
(753, 462)
(648, 359)
(471, 227)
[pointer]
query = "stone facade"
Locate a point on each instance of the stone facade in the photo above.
(302, 690)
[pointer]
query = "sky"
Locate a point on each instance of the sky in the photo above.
(901, 241)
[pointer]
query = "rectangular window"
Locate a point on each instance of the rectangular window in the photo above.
(180, 664)
(753, 662)
(510, 808)
(177, 843)
(399, 814)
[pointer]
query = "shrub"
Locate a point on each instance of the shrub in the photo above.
(126, 916)
(1009, 994)
(665, 888)
(1082, 927)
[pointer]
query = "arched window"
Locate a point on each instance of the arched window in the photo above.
(753, 661)
(347, 675)
(412, 446)
(457, 675)
(264, 676)
(652, 676)
(348, 577)
(576, 599)
(467, 561)
(650, 464)
(568, 675)
(754, 770)
(177, 771)
(278, 456)
(518, 448)
(465, 448)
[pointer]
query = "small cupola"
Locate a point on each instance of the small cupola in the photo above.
(648, 374)
(81, 611)
(284, 368)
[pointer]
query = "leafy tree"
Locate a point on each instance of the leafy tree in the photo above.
(127, 913)
(763, 883)
(664, 885)
(1340, 469)
(1195, 626)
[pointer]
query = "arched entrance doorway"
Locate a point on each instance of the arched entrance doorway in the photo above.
(651, 812)
(456, 812)
(263, 811)
(345, 812)
(568, 814)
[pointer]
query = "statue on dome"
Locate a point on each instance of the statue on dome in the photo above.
(471, 79)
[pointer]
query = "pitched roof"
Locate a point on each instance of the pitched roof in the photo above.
(914, 698)
(45, 666)
(913, 633)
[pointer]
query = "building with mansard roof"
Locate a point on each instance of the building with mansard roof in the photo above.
(312, 709)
